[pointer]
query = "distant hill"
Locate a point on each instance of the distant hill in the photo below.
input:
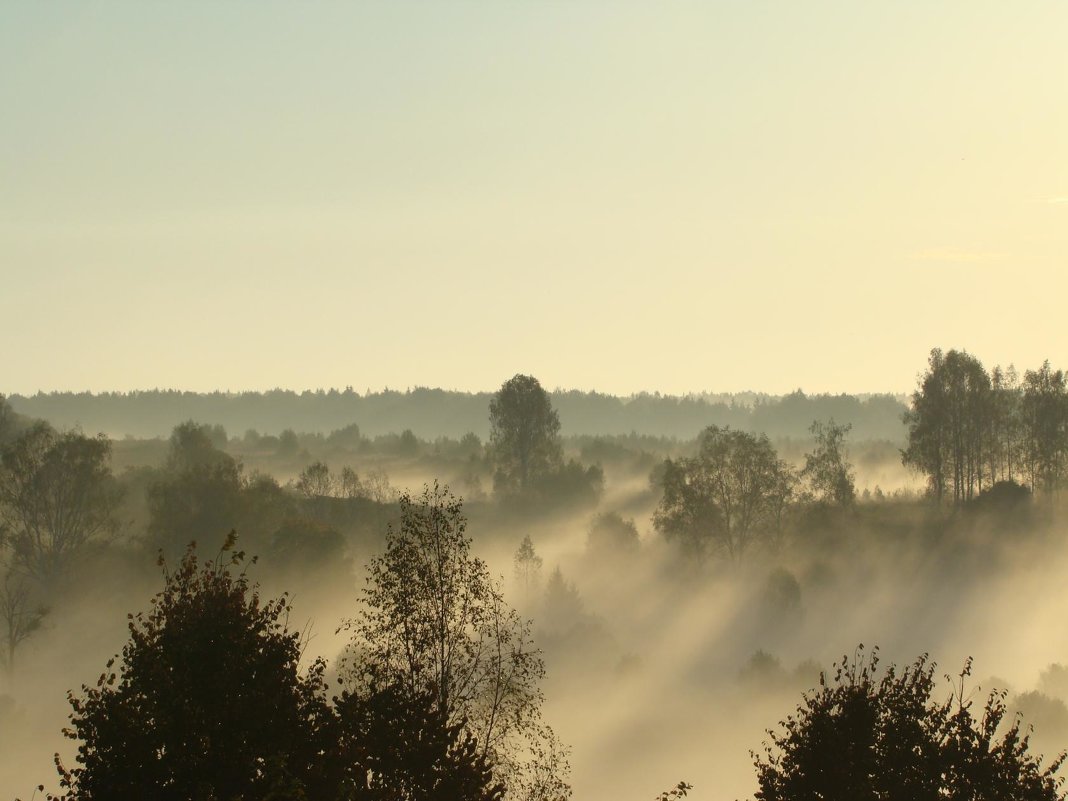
(431, 413)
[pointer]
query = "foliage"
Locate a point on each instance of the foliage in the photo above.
(1004, 447)
(437, 412)
(11, 424)
(309, 546)
(207, 700)
(288, 444)
(968, 430)
(433, 620)
(567, 484)
(199, 492)
(562, 606)
(610, 533)
(20, 616)
(948, 428)
(527, 567)
(315, 481)
(524, 433)
(827, 469)
(397, 745)
(348, 484)
(781, 597)
(57, 493)
(871, 736)
(1006, 501)
(680, 790)
(1044, 415)
(727, 497)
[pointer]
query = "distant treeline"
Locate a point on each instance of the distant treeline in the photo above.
(431, 413)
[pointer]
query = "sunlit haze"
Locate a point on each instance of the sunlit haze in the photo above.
(553, 400)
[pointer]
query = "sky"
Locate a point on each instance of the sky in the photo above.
(673, 196)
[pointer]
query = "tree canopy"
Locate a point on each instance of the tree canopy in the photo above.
(207, 699)
(57, 493)
(727, 497)
(435, 621)
(827, 468)
(524, 433)
(878, 735)
(968, 429)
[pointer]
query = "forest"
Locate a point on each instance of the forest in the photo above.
(534, 595)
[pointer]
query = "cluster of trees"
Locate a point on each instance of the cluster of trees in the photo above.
(316, 481)
(736, 490)
(969, 429)
(432, 413)
(439, 696)
(290, 444)
(57, 494)
(201, 490)
(439, 699)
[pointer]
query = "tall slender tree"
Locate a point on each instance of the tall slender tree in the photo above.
(1044, 415)
(1005, 433)
(434, 620)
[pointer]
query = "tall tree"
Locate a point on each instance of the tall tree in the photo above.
(20, 616)
(527, 568)
(827, 468)
(1004, 451)
(434, 620)
(1044, 415)
(524, 433)
(57, 493)
(726, 497)
(315, 481)
(948, 428)
(8, 422)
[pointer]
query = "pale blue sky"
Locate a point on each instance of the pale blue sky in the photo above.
(621, 196)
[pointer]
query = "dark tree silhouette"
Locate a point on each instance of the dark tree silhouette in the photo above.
(524, 433)
(397, 745)
(207, 700)
(871, 737)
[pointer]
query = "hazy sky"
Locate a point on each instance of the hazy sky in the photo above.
(611, 195)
